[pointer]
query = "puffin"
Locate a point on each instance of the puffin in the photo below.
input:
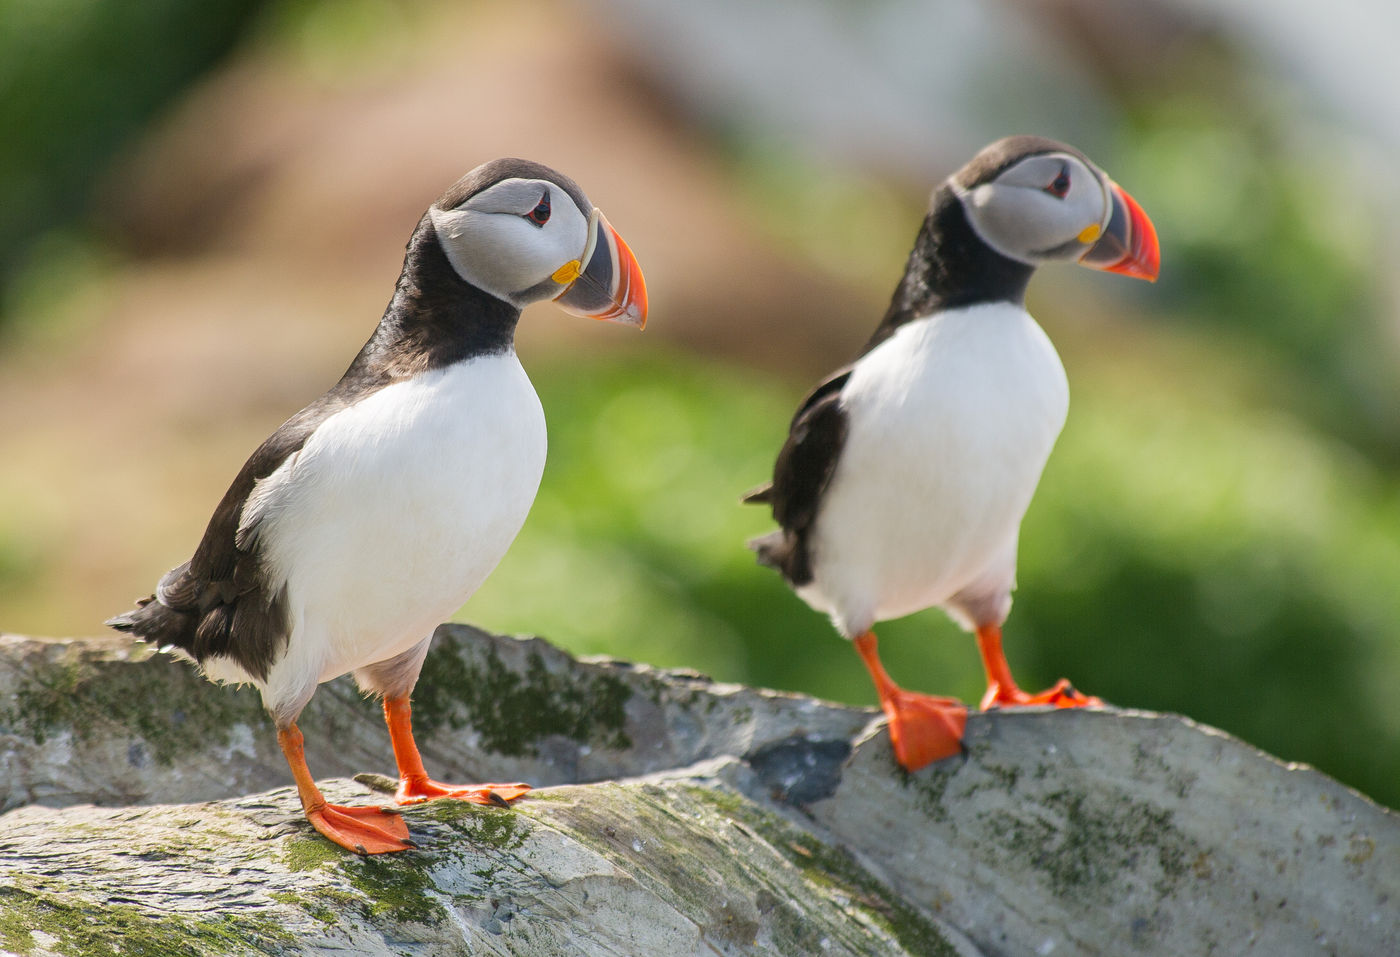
(906, 473)
(376, 511)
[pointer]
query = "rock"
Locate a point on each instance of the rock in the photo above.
(108, 721)
(677, 865)
(720, 820)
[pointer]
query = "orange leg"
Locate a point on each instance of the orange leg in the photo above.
(1001, 687)
(364, 830)
(923, 728)
(414, 784)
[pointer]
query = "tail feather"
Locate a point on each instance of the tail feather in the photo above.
(784, 550)
(207, 618)
(760, 495)
(169, 617)
(154, 621)
(770, 549)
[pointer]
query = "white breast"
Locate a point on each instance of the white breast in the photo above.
(396, 510)
(951, 421)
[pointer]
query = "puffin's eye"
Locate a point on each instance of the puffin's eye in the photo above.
(540, 214)
(1059, 187)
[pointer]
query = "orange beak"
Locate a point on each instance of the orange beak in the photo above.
(1129, 242)
(609, 283)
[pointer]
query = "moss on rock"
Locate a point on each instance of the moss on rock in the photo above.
(85, 695)
(732, 867)
(33, 919)
(512, 710)
(834, 867)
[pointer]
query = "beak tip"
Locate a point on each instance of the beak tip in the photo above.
(1150, 265)
(637, 306)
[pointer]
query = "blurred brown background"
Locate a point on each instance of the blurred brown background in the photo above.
(203, 218)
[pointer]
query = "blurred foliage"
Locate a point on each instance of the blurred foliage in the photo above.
(339, 42)
(78, 80)
(850, 224)
(1184, 555)
(1195, 555)
(1270, 237)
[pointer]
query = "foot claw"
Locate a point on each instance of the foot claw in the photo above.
(1061, 695)
(418, 791)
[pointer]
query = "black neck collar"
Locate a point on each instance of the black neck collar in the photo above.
(949, 267)
(436, 317)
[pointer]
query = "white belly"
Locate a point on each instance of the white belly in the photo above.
(395, 511)
(951, 421)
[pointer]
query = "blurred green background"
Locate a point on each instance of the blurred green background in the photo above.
(201, 218)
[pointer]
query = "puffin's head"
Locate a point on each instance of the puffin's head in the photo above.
(1036, 201)
(522, 232)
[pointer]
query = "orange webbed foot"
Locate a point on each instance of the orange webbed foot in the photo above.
(923, 728)
(416, 790)
(415, 786)
(364, 830)
(1002, 691)
(1061, 695)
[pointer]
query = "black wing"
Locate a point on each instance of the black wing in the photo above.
(219, 602)
(800, 476)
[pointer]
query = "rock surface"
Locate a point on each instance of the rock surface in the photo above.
(723, 820)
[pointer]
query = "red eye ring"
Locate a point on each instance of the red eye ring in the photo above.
(1059, 186)
(540, 214)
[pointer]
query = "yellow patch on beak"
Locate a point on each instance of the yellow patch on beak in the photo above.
(1091, 232)
(567, 273)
